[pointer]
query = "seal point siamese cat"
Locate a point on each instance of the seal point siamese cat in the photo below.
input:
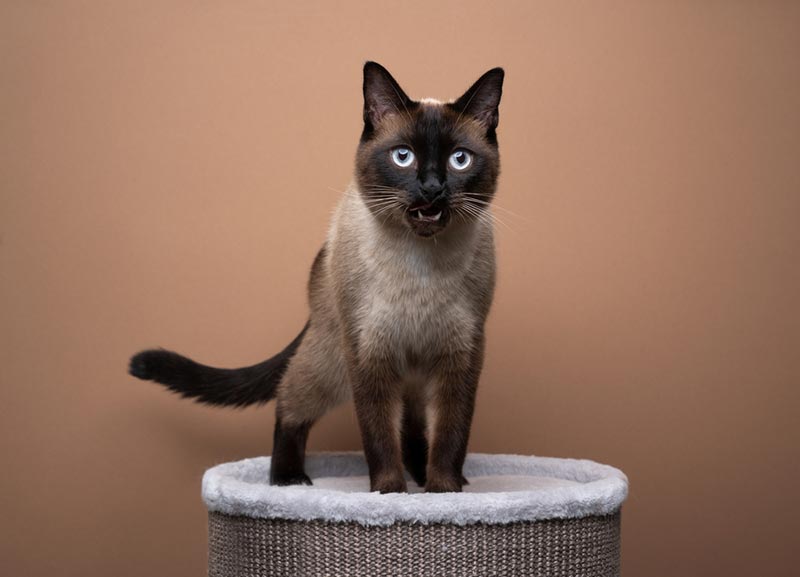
(398, 294)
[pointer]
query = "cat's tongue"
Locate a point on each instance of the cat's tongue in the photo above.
(426, 213)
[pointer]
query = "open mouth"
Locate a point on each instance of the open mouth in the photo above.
(427, 213)
(427, 219)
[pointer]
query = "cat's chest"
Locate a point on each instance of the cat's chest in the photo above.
(412, 304)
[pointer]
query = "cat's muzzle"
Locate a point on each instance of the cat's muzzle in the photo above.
(428, 219)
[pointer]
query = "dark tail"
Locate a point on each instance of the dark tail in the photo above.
(226, 387)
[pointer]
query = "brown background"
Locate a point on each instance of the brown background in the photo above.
(168, 171)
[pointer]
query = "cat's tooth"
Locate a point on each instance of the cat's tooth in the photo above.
(437, 216)
(419, 214)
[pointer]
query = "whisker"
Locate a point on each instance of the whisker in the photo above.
(494, 218)
(384, 210)
(474, 197)
(379, 201)
(484, 215)
(337, 190)
(376, 197)
(385, 193)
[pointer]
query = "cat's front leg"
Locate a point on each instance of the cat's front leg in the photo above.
(453, 401)
(378, 403)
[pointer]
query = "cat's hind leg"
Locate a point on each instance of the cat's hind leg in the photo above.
(314, 382)
(289, 453)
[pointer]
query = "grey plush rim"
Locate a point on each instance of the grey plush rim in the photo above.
(241, 488)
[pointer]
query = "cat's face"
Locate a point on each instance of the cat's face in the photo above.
(424, 164)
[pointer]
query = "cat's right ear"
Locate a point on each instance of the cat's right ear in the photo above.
(382, 96)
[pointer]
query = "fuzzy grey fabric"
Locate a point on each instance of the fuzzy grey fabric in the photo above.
(502, 489)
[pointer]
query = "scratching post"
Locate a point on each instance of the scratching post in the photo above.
(521, 516)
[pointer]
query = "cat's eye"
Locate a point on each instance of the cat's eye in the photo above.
(460, 159)
(402, 157)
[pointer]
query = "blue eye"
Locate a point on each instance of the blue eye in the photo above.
(460, 159)
(402, 157)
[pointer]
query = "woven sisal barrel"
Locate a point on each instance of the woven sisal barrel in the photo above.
(519, 516)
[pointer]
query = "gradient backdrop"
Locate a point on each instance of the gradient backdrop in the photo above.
(167, 172)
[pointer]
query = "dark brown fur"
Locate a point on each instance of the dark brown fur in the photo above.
(399, 295)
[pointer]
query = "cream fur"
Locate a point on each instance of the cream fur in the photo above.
(412, 297)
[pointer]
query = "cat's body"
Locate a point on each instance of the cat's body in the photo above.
(398, 294)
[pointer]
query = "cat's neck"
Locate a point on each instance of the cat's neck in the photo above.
(448, 248)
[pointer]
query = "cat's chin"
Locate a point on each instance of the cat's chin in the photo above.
(427, 220)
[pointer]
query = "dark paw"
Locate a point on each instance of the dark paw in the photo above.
(444, 484)
(289, 478)
(390, 485)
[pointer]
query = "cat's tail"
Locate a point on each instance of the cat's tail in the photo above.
(224, 387)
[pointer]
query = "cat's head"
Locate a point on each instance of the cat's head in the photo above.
(426, 164)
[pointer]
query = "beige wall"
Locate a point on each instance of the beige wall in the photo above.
(167, 173)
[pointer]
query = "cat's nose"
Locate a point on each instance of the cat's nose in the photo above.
(432, 188)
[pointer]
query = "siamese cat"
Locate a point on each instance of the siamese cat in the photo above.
(398, 295)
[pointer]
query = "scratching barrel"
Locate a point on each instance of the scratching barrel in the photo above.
(520, 516)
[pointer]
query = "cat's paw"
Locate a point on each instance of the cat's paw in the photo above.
(289, 478)
(390, 485)
(441, 484)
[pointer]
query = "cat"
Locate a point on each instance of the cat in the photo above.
(399, 294)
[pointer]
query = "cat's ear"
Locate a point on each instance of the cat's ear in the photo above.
(382, 95)
(483, 98)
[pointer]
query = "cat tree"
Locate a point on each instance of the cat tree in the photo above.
(519, 516)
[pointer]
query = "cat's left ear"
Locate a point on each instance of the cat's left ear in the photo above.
(482, 99)
(382, 95)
